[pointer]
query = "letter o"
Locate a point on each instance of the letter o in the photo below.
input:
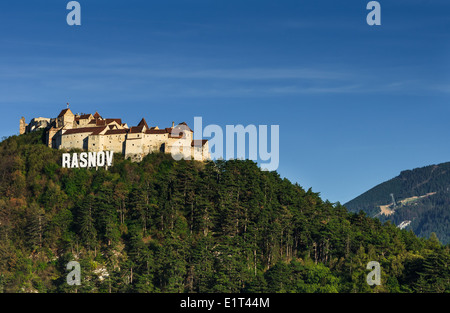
(101, 159)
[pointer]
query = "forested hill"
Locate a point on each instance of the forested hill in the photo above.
(422, 197)
(179, 226)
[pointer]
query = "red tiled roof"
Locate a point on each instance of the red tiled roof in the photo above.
(98, 130)
(110, 120)
(83, 117)
(179, 131)
(136, 129)
(63, 112)
(177, 136)
(156, 131)
(116, 131)
(105, 122)
(97, 122)
(199, 143)
(183, 125)
(93, 130)
(143, 122)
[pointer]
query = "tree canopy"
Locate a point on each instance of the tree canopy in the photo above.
(185, 226)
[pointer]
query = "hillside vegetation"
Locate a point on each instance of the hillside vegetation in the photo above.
(427, 190)
(179, 226)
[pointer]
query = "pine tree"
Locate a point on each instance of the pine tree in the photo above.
(36, 223)
(86, 222)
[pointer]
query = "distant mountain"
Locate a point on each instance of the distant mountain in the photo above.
(417, 199)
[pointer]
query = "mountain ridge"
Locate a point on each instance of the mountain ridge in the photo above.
(421, 195)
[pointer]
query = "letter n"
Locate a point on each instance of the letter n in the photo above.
(74, 16)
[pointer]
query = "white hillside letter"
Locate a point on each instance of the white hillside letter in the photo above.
(66, 160)
(101, 159)
(109, 158)
(92, 159)
(75, 160)
(83, 160)
(74, 16)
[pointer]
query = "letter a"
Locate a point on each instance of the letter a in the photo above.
(74, 277)
(74, 16)
(374, 16)
(374, 277)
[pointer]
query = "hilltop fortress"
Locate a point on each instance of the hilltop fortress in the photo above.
(94, 133)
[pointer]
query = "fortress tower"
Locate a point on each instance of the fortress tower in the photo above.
(23, 126)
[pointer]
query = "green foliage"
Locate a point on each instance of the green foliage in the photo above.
(168, 226)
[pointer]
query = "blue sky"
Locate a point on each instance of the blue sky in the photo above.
(356, 104)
